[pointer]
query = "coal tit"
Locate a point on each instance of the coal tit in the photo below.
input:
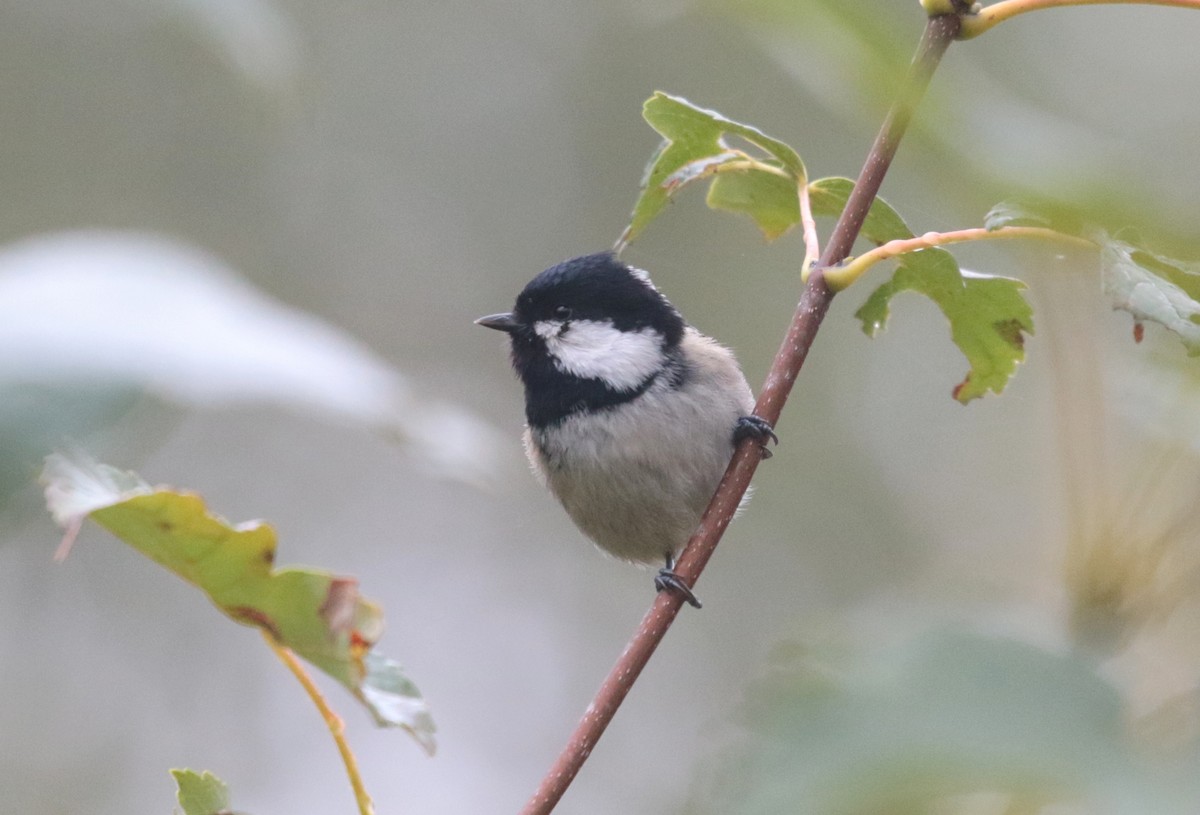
(631, 414)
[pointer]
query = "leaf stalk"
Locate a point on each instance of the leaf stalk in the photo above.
(337, 728)
(975, 24)
(812, 241)
(842, 277)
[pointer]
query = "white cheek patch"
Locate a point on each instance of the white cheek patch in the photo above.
(547, 328)
(596, 350)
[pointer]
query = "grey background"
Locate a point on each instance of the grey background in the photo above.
(401, 168)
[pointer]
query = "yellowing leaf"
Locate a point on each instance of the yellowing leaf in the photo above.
(318, 615)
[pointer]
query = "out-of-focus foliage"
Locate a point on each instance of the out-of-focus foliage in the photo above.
(1148, 285)
(1154, 287)
(948, 723)
(847, 46)
(89, 320)
(991, 117)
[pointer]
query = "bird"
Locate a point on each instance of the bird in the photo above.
(631, 414)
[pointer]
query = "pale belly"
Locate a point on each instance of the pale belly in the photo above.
(637, 492)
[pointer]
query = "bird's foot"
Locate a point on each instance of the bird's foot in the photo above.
(667, 580)
(757, 428)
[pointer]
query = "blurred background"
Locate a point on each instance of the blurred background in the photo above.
(244, 245)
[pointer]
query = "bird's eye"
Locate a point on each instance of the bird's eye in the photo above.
(562, 313)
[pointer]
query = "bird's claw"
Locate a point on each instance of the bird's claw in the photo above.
(757, 428)
(667, 580)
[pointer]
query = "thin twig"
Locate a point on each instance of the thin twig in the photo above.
(976, 24)
(814, 303)
(334, 722)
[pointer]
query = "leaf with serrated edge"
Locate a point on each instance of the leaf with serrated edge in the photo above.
(318, 615)
(988, 316)
(695, 135)
(201, 793)
(675, 117)
(1153, 288)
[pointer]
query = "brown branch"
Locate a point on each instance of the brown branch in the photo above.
(814, 303)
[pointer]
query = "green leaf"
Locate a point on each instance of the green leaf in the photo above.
(1150, 286)
(988, 316)
(770, 200)
(828, 197)
(1041, 214)
(319, 615)
(695, 147)
(904, 730)
(1012, 213)
(1154, 288)
(201, 793)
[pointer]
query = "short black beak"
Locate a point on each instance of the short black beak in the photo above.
(501, 322)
